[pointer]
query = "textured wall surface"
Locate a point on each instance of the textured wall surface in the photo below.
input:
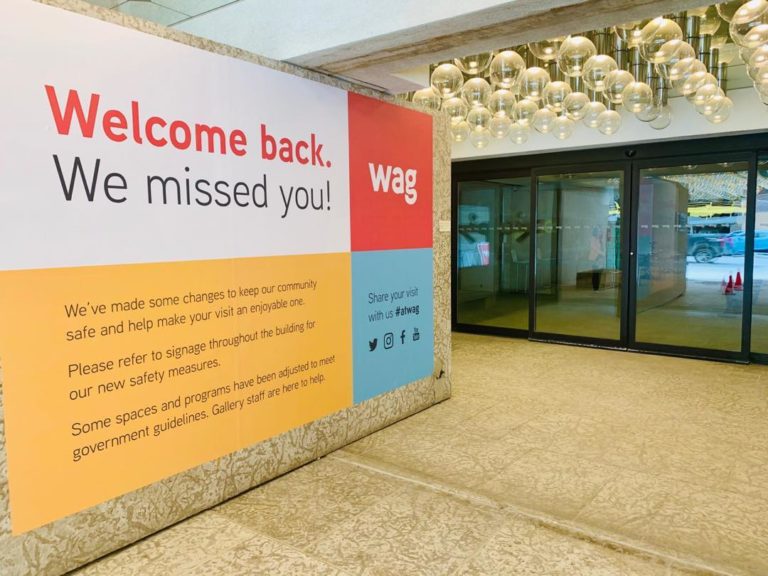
(75, 540)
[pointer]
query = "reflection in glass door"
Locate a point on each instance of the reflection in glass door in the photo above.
(578, 255)
(760, 276)
(690, 238)
(492, 253)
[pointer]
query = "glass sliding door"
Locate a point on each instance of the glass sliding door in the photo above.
(690, 245)
(579, 254)
(760, 275)
(492, 253)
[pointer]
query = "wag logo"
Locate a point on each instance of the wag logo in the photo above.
(396, 180)
(390, 176)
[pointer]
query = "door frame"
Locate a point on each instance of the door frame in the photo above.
(690, 351)
(693, 149)
(457, 326)
(556, 170)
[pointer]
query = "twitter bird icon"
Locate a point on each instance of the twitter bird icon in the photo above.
(372, 344)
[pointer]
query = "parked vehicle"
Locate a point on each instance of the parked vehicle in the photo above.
(704, 247)
(707, 247)
(734, 244)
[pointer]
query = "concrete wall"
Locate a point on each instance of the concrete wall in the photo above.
(78, 539)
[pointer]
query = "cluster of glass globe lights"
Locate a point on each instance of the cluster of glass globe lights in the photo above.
(519, 98)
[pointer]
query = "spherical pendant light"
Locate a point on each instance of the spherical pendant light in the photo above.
(596, 69)
(609, 122)
(506, 68)
(532, 83)
(656, 33)
(574, 53)
(447, 80)
(519, 134)
(476, 92)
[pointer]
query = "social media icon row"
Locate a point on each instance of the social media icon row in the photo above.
(389, 339)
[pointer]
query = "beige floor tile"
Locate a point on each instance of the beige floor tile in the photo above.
(525, 549)
(175, 551)
(418, 531)
(720, 527)
(458, 458)
(663, 451)
(549, 482)
(302, 506)
(627, 504)
(261, 556)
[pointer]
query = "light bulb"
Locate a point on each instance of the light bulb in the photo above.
(670, 54)
(544, 120)
(728, 53)
(480, 138)
(709, 20)
(656, 33)
(456, 109)
(479, 117)
(474, 64)
(447, 80)
(745, 54)
(609, 122)
(506, 68)
(476, 92)
(460, 131)
(546, 50)
(555, 93)
(749, 25)
(721, 37)
(726, 10)
(684, 70)
(664, 118)
(596, 69)
(649, 113)
(427, 98)
(592, 113)
(499, 126)
(762, 89)
(524, 111)
(615, 83)
(502, 103)
(519, 134)
(563, 127)
(573, 54)
(636, 96)
(757, 59)
(696, 81)
(575, 105)
(723, 106)
(702, 98)
(532, 83)
(760, 77)
(630, 32)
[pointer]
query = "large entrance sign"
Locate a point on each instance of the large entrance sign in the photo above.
(198, 253)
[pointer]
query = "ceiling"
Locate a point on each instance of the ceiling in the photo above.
(389, 44)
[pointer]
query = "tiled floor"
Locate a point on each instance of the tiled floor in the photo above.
(549, 460)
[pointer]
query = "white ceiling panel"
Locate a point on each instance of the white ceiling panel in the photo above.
(287, 29)
(193, 7)
(151, 11)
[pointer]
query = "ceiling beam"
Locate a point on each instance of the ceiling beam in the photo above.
(377, 59)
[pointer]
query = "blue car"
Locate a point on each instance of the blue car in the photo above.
(733, 244)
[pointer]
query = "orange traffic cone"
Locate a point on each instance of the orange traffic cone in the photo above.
(722, 286)
(738, 285)
(729, 286)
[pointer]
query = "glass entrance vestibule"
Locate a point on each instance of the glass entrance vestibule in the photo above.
(646, 248)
